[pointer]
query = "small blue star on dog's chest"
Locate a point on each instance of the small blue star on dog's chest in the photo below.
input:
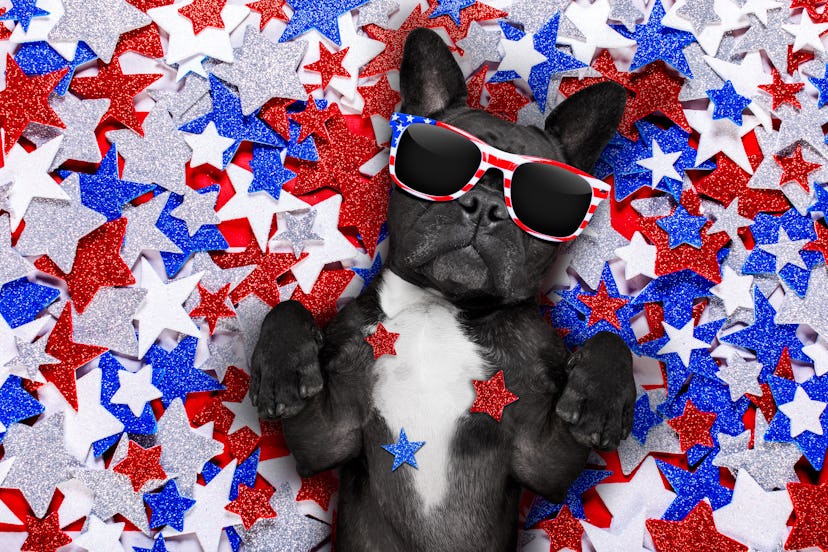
(404, 450)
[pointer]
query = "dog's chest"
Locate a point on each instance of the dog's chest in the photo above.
(426, 387)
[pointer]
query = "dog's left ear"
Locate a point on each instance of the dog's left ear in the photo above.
(585, 122)
(430, 79)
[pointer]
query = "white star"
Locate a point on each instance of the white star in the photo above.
(136, 389)
(818, 351)
(760, 8)
(520, 56)
(77, 501)
(208, 147)
(639, 257)
(734, 290)
(746, 76)
(785, 250)
(711, 36)
(162, 307)
(807, 33)
(643, 494)
(39, 28)
(682, 342)
(661, 164)
(245, 414)
(720, 135)
(591, 20)
(100, 536)
(361, 50)
(92, 422)
(804, 413)
(629, 539)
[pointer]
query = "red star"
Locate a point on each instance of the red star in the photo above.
(475, 88)
(602, 306)
(262, 281)
(380, 98)
(236, 383)
(274, 113)
(26, 100)
(810, 527)
(394, 40)
(270, 9)
(145, 5)
(319, 488)
(783, 367)
(382, 341)
(605, 65)
(98, 264)
(141, 465)
(505, 100)
(821, 243)
(564, 531)
(145, 41)
(329, 65)
(44, 534)
(214, 411)
(204, 13)
(70, 355)
(312, 120)
(5, 32)
(322, 299)
(796, 169)
(213, 306)
(781, 91)
(656, 90)
(697, 531)
(492, 396)
(252, 504)
(795, 59)
(364, 206)
(701, 260)
(119, 88)
(242, 443)
(764, 402)
(693, 426)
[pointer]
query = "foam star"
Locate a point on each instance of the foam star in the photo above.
(809, 528)
(759, 8)
(721, 136)
(691, 487)
(734, 290)
(818, 352)
(28, 173)
(208, 147)
(100, 536)
(629, 538)
(289, 525)
(492, 396)
(319, 15)
(404, 451)
(44, 534)
(479, 45)
(728, 103)
(136, 389)
(770, 37)
(105, 191)
(113, 494)
(682, 227)
(29, 358)
(785, 250)
(661, 164)
(655, 41)
(717, 23)
(729, 220)
(244, 415)
(746, 77)
(697, 530)
(644, 495)
(23, 11)
(807, 33)
(382, 341)
(804, 413)
(802, 124)
(591, 21)
(168, 507)
(802, 424)
(174, 374)
(682, 342)
(92, 422)
(81, 117)
(639, 257)
(142, 234)
(197, 210)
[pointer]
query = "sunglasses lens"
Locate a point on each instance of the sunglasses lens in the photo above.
(434, 160)
(549, 199)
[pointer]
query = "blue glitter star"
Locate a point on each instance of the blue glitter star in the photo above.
(269, 174)
(22, 300)
(682, 227)
(24, 11)
(403, 451)
(105, 192)
(110, 383)
(368, 274)
(692, 486)
(727, 103)
(16, 403)
(245, 473)
(658, 42)
(234, 538)
(317, 14)
(306, 149)
(619, 159)
(813, 446)
(39, 58)
(677, 292)
(168, 507)
(644, 417)
(209, 471)
(451, 8)
(157, 546)
(821, 85)
(173, 372)
(820, 204)
(542, 509)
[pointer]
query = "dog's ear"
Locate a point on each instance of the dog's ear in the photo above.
(585, 122)
(430, 79)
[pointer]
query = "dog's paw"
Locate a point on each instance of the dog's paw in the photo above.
(285, 365)
(599, 397)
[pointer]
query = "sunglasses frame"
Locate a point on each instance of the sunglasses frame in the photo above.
(492, 157)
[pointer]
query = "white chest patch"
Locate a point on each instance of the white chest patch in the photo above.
(426, 387)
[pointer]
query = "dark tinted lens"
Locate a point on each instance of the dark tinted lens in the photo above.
(435, 160)
(549, 199)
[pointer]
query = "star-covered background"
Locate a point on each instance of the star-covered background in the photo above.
(172, 170)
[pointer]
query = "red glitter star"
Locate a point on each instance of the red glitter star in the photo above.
(319, 488)
(656, 90)
(5, 32)
(394, 40)
(784, 369)
(564, 531)
(213, 306)
(322, 299)
(795, 59)
(242, 443)
(141, 465)
(380, 98)
(605, 65)
(98, 264)
(329, 65)
(474, 86)
(764, 402)
(795, 168)
(274, 113)
(312, 120)
(145, 41)
(781, 91)
(26, 100)
(821, 243)
(270, 9)
(701, 260)
(252, 505)
(119, 88)
(697, 531)
(214, 411)
(602, 306)
(382, 341)
(693, 426)
(492, 396)
(236, 383)
(71, 356)
(364, 206)
(204, 13)
(262, 281)
(44, 534)
(505, 100)
(810, 505)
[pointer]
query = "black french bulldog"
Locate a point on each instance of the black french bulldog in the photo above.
(461, 287)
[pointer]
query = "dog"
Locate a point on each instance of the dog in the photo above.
(460, 286)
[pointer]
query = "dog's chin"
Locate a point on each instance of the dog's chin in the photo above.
(459, 274)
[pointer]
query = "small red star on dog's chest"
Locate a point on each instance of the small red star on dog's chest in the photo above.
(382, 341)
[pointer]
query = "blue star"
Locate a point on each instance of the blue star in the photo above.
(820, 204)
(173, 372)
(231, 122)
(269, 174)
(821, 85)
(403, 451)
(306, 149)
(766, 338)
(451, 8)
(677, 292)
(693, 486)
(727, 103)
(368, 274)
(542, 509)
(813, 446)
(619, 159)
(234, 538)
(16, 403)
(245, 473)
(110, 383)
(658, 42)
(22, 300)
(168, 507)
(105, 192)
(644, 417)
(39, 58)
(157, 546)
(683, 227)
(209, 471)
(23, 11)
(317, 14)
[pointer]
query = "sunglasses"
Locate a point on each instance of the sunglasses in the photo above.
(548, 199)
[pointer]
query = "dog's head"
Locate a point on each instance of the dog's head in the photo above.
(470, 249)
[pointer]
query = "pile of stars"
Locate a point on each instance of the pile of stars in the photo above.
(172, 169)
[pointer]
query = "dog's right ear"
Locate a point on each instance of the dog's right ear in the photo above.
(430, 79)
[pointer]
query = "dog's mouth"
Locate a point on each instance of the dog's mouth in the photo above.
(460, 270)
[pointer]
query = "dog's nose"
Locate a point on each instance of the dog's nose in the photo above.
(483, 205)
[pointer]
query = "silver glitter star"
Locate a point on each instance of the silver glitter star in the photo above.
(289, 530)
(656, 206)
(192, 101)
(141, 232)
(700, 13)
(770, 38)
(222, 356)
(727, 219)
(5, 199)
(54, 226)
(660, 438)
(626, 12)
(802, 124)
(107, 320)
(114, 494)
(534, 14)
(251, 312)
(595, 246)
(215, 277)
(299, 230)
(376, 12)
(29, 358)
(12, 264)
(810, 309)
(184, 451)
(197, 209)
(263, 70)
(41, 461)
(704, 78)
(480, 45)
(99, 23)
(742, 376)
(737, 255)
(159, 157)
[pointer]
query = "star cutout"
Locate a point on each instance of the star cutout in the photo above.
(142, 234)
(213, 305)
(23, 11)
(691, 487)
(99, 535)
(696, 531)
(319, 488)
(269, 10)
(693, 427)
(802, 424)
(729, 220)
(208, 147)
(804, 413)
(404, 451)
(29, 358)
(661, 165)
(809, 527)
(299, 230)
(12, 264)
(44, 535)
(683, 228)
(796, 169)
(782, 92)
(203, 14)
(655, 42)
(290, 525)
(174, 374)
(113, 494)
(320, 15)
(807, 33)
(785, 250)
(382, 342)
(92, 422)
(682, 342)
(639, 257)
(252, 505)
(141, 464)
(168, 506)
(602, 306)
(262, 280)
(196, 210)
(135, 390)
(329, 65)
(492, 396)
(564, 531)
(728, 104)
(479, 45)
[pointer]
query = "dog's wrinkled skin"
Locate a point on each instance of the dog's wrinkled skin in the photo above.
(322, 383)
